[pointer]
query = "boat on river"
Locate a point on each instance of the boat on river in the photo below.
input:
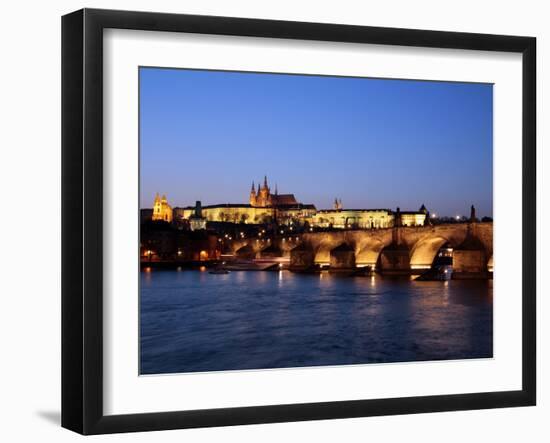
(437, 273)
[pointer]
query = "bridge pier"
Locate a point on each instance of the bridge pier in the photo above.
(395, 260)
(470, 258)
(469, 264)
(302, 258)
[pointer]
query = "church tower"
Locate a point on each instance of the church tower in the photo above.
(252, 196)
(161, 209)
(157, 208)
(263, 194)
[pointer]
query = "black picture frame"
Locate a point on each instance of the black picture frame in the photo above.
(82, 218)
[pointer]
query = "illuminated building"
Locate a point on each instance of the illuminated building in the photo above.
(264, 198)
(353, 218)
(161, 209)
(263, 207)
(284, 209)
(414, 218)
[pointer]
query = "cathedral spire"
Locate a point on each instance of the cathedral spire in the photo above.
(265, 181)
(252, 198)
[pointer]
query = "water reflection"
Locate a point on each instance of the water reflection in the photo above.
(196, 321)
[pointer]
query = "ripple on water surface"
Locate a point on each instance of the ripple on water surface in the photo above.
(194, 321)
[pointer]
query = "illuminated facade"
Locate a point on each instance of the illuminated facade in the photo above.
(162, 210)
(263, 207)
(412, 219)
(340, 218)
(230, 213)
(267, 207)
(353, 218)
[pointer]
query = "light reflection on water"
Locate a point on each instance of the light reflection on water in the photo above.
(195, 321)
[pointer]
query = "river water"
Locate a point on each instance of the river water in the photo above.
(192, 321)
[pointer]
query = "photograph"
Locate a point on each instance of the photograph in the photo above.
(295, 220)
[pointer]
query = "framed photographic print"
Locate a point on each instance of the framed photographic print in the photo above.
(269, 221)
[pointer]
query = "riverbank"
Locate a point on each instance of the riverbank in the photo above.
(276, 265)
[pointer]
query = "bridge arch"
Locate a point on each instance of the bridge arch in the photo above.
(323, 246)
(424, 251)
(322, 253)
(369, 252)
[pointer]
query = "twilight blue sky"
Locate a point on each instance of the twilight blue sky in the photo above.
(374, 143)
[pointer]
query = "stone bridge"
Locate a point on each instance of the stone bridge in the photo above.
(398, 248)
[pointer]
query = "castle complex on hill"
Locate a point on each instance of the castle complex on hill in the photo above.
(264, 198)
(266, 207)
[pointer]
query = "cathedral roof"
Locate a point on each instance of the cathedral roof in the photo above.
(283, 199)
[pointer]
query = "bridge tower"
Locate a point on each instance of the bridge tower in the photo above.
(472, 222)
